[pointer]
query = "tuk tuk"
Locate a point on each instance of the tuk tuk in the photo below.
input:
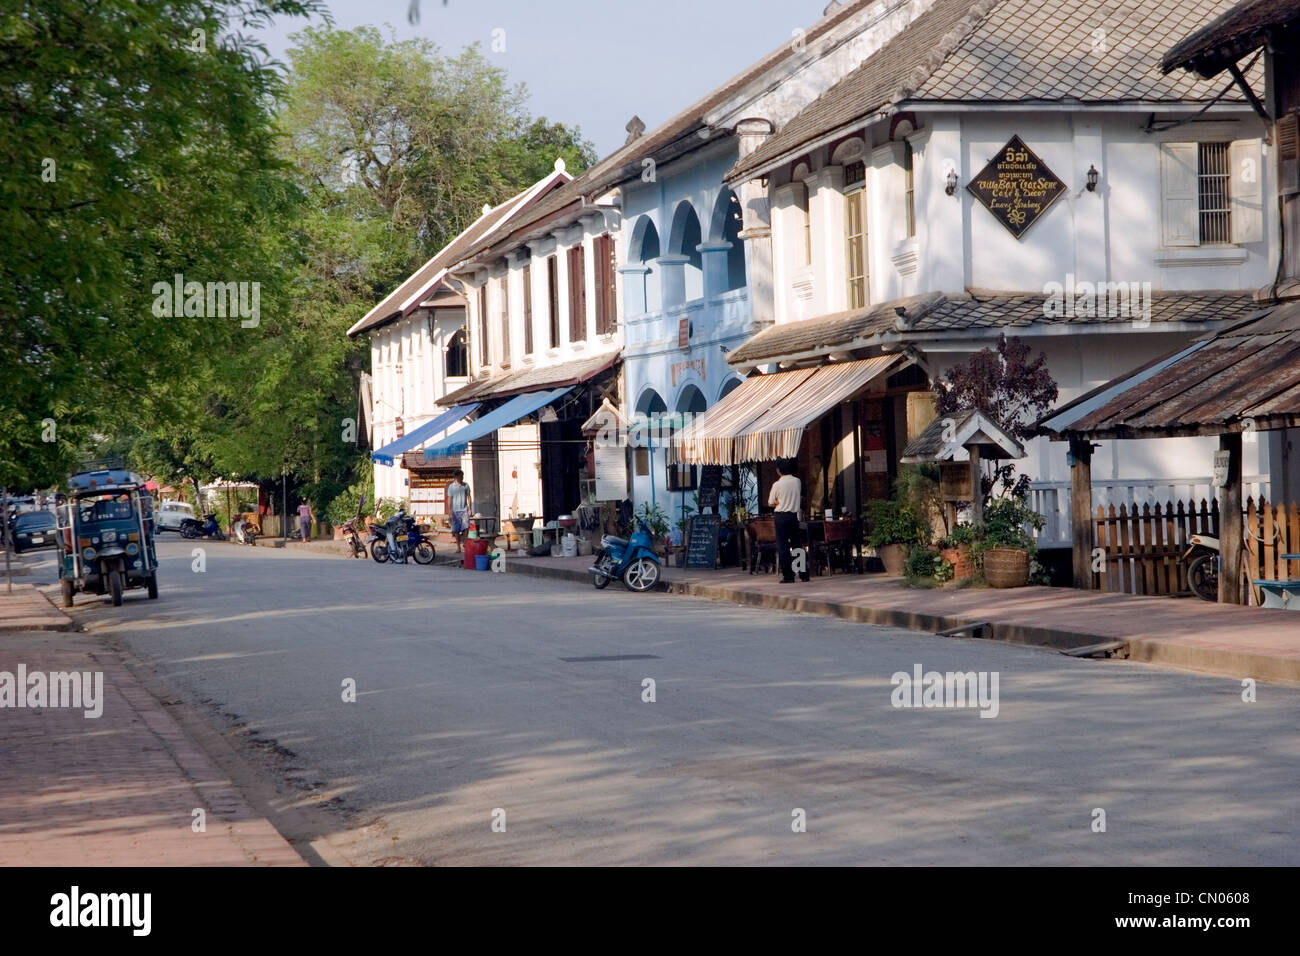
(106, 536)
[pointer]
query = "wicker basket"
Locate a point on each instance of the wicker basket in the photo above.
(1006, 567)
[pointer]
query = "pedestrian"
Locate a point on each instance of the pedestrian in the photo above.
(458, 499)
(784, 499)
(305, 518)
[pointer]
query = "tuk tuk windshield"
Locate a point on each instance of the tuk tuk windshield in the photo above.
(105, 508)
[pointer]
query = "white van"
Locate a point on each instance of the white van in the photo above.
(170, 514)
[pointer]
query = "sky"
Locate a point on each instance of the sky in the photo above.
(592, 63)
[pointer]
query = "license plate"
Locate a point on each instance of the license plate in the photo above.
(38, 539)
(401, 537)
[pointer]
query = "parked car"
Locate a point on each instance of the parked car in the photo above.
(33, 529)
(170, 514)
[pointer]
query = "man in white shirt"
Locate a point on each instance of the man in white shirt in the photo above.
(785, 499)
(458, 502)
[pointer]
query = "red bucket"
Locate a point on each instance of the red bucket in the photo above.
(473, 548)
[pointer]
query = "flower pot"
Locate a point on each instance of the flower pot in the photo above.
(893, 557)
(962, 565)
(1006, 567)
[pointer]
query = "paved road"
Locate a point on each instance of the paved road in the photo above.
(478, 692)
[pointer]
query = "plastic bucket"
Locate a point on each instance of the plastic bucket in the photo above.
(474, 548)
(482, 562)
(570, 546)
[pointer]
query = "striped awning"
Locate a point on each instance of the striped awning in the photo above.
(764, 419)
(778, 433)
(711, 438)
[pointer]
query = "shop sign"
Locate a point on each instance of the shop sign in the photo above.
(1016, 187)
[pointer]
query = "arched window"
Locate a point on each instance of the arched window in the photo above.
(457, 363)
(729, 386)
(684, 240)
(645, 241)
(725, 227)
(692, 400)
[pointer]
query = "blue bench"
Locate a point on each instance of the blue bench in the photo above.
(1284, 595)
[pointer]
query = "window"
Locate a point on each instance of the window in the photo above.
(801, 203)
(553, 298)
(855, 248)
(577, 295)
(909, 191)
(504, 292)
(457, 364)
(484, 359)
(606, 308)
(528, 310)
(1212, 182)
(1211, 193)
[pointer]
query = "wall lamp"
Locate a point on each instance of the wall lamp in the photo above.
(952, 182)
(1093, 176)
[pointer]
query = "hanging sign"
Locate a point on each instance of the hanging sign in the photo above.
(1221, 459)
(1016, 187)
(611, 471)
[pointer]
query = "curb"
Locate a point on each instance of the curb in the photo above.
(44, 617)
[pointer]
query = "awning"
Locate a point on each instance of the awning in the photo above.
(711, 438)
(779, 431)
(388, 454)
(507, 414)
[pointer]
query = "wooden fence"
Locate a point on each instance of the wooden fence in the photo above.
(1141, 550)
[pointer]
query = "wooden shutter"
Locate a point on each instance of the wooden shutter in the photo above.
(553, 299)
(577, 295)
(606, 288)
(483, 358)
(528, 310)
(1245, 191)
(1180, 201)
(1288, 154)
(505, 319)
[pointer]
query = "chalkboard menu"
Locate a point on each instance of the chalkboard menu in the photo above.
(710, 487)
(1016, 187)
(702, 543)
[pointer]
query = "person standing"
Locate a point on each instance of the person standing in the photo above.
(458, 499)
(785, 499)
(305, 518)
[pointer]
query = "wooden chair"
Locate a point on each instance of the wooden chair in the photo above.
(761, 533)
(836, 542)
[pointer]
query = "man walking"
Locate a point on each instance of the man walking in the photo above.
(458, 499)
(784, 499)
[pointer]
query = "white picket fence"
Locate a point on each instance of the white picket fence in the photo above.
(1051, 499)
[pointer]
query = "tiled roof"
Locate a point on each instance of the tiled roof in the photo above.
(939, 313)
(1231, 36)
(625, 162)
(1008, 51)
(531, 380)
(418, 286)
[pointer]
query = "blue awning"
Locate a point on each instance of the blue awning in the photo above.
(507, 414)
(388, 454)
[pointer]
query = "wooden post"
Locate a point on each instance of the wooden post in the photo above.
(1230, 531)
(976, 488)
(1081, 511)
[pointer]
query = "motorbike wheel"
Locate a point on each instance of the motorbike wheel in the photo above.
(379, 552)
(358, 549)
(424, 553)
(65, 587)
(1203, 577)
(641, 575)
(187, 532)
(115, 586)
(152, 584)
(606, 563)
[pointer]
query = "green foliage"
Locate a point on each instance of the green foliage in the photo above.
(945, 571)
(922, 563)
(893, 522)
(1004, 525)
(356, 497)
(388, 507)
(655, 517)
(962, 535)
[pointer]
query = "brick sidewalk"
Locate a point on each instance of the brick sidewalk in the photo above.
(1182, 632)
(27, 609)
(117, 790)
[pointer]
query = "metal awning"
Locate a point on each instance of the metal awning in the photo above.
(507, 414)
(388, 454)
(779, 431)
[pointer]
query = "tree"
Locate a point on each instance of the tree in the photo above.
(138, 146)
(1008, 388)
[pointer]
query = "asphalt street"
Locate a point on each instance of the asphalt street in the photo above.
(487, 699)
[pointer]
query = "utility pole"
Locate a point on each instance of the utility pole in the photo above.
(4, 506)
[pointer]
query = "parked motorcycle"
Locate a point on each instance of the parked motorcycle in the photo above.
(245, 533)
(207, 528)
(1203, 569)
(399, 538)
(633, 560)
(353, 536)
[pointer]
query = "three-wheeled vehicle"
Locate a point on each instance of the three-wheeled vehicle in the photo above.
(106, 536)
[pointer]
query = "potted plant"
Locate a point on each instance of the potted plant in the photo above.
(922, 564)
(957, 551)
(1004, 543)
(895, 529)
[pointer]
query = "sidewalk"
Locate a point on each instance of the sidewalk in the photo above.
(119, 789)
(1181, 632)
(27, 609)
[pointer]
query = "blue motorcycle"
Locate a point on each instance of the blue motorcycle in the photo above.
(633, 560)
